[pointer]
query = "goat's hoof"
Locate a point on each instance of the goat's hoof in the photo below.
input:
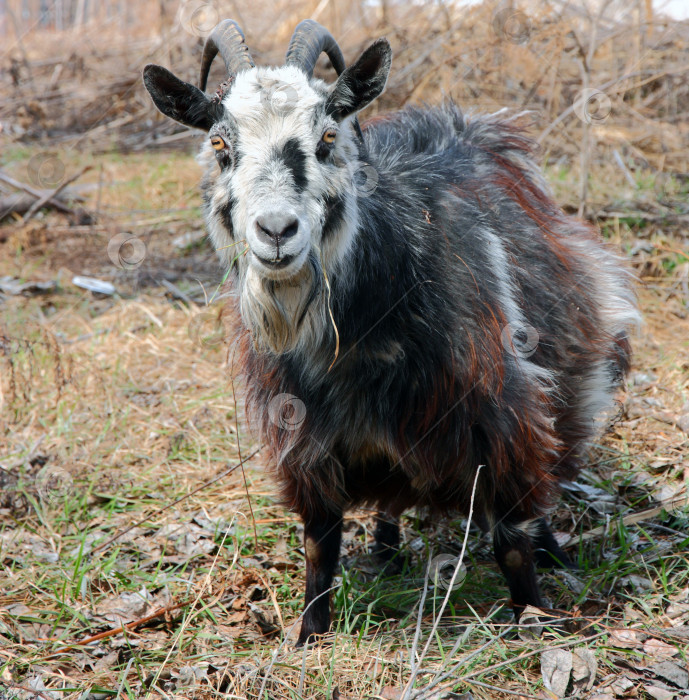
(312, 640)
(311, 637)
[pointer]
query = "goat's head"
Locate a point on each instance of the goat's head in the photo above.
(280, 202)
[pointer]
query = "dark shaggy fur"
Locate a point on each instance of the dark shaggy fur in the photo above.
(425, 388)
(477, 324)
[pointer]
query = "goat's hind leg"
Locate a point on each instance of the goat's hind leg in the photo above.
(547, 551)
(387, 542)
(515, 556)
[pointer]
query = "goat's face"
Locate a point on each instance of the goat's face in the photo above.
(280, 196)
(284, 164)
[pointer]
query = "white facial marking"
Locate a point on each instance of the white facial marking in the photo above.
(268, 208)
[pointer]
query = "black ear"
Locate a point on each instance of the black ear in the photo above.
(362, 82)
(178, 100)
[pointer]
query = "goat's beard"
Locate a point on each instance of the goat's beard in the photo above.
(282, 314)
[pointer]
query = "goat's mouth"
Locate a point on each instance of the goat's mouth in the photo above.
(277, 263)
(279, 268)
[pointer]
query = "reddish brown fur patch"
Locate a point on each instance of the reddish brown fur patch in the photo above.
(312, 550)
(514, 559)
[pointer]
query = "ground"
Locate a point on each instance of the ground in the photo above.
(138, 560)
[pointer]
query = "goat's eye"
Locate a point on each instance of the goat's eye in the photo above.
(218, 143)
(326, 144)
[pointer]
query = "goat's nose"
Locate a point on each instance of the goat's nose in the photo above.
(276, 226)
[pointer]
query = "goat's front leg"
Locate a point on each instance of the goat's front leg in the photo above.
(322, 537)
(515, 556)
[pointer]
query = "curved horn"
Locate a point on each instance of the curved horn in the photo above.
(309, 40)
(227, 39)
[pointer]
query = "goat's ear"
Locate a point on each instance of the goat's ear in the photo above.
(178, 100)
(362, 82)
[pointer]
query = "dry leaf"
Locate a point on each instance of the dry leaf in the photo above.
(620, 686)
(107, 662)
(658, 649)
(639, 584)
(17, 609)
(659, 693)
(670, 671)
(190, 675)
(530, 626)
(675, 610)
(584, 667)
(125, 608)
(626, 639)
(556, 666)
(263, 619)
(236, 618)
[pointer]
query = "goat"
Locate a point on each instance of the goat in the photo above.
(410, 304)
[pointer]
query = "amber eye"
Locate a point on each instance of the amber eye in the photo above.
(329, 136)
(218, 143)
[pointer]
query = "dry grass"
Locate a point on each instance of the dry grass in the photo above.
(138, 413)
(128, 561)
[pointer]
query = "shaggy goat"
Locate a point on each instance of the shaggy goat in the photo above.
(410, 304)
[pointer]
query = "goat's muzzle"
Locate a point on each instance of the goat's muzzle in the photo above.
(279, 243)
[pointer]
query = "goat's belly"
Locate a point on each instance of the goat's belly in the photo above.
(383, 483)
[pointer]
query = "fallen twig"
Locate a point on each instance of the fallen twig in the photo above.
(128, 626)
(634, 518)
(56, 203)
(645, 216)
(20, 202)
(42, 201)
